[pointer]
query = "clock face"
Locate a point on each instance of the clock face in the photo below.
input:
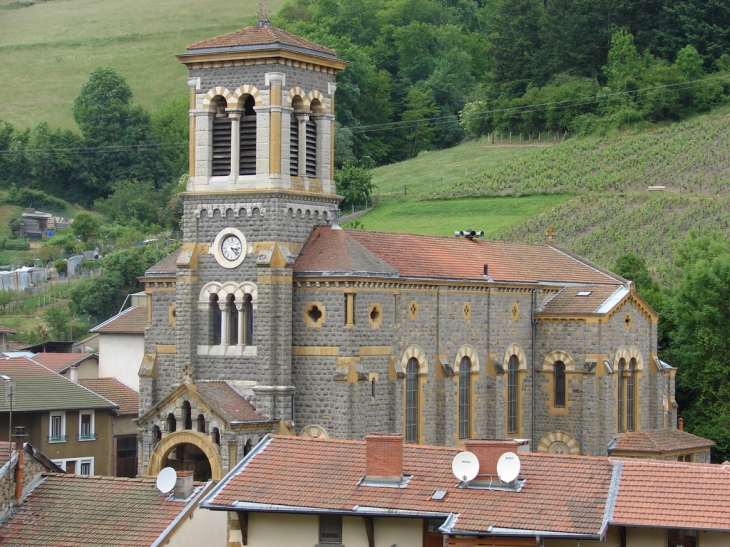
(231, 248)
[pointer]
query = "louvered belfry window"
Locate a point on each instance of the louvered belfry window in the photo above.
(311, 149)
(221, 141)
(294, 147)
(247, 165)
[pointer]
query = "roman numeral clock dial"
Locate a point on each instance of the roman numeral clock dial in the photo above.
(231, 247)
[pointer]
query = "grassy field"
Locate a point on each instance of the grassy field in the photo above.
(48, 49)
(443, 217)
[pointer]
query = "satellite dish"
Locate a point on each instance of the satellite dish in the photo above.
(166, 480)
(465, 466)
(508, 467)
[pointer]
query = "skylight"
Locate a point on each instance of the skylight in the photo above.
(585, 293)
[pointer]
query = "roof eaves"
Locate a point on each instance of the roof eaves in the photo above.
(613, 300)
(257, 47)
(206, 502)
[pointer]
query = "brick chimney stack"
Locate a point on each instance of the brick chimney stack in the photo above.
(183, 485)
(488, 452)
(383, 456)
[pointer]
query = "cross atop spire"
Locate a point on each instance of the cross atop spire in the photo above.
(263, 14)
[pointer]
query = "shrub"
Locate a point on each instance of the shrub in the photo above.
(17, 244)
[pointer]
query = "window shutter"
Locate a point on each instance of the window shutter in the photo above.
(221, 146)
(248, 145)
(294, 147)
(311, 149)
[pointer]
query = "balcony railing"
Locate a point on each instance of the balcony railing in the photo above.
(57, 438)
(86, 437)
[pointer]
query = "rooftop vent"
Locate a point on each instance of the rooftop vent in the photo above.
(183, 485)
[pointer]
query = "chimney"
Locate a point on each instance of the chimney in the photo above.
(384, 457)
(680, 424)
(20, 468)
(183, 485)
(488, 452)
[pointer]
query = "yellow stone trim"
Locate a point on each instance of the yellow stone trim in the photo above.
(315, 94)
(187, 278)
(298, 92)
(275, 279)
(628, 354)
(373, 351)
(217, 91)
(558, 355)
(378, 310)
(491, 371)
(315, 351)
(514, 312)
(413, 310)
(309, 321)
(242, 92)
(171, 440)
(165, 349)
(466, 351)
(561, 437)
(466, 310)
(515, 349)
(420, 355)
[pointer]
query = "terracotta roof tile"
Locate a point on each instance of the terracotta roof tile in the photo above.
(130, 321)
(6, 450)
(573, 299)
(228, 403)
(72, 510)
(58, 362)
(39, 388)
(264, 35)
(434, 257)
(110, 388)
(561, 493)
(658, 440)
(7, 330)
(673, 495)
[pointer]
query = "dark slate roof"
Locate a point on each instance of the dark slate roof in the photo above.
(166, 266)
(260, 36)
(38, 388)
(73, 510)
(228, 403)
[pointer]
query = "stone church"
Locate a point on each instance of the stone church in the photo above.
(271, 318)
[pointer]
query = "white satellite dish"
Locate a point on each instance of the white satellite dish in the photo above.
(508, 467)
(166, 480)
(465, 466)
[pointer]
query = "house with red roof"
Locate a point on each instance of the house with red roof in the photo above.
(380, 492)
(331, 332)
(74, 366)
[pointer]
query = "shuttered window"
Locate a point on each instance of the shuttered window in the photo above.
(221, 146)
(294, 147)
(311, 149)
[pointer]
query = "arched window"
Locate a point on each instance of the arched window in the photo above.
(311, 160)
(171, 423)
(631, 395)
(201, 423)
(216, 436)
(412, 401)
(559, 368)
(247, 165)
(156, 434)
(620, 395)
(512, 394)
(214, 329)
(248, 320)
(232, 325)
(464, 398)
(221, 139)
(187, 418)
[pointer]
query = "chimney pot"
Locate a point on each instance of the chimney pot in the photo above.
(183, 485)
(383, 456)
(488, 452)
(680, 424)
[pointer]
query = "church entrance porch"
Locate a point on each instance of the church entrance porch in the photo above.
(187, 451)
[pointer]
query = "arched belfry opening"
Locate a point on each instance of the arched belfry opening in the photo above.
(221, 165)
(247, 151)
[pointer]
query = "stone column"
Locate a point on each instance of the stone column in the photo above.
(332, 88)
(225, 340)
(303, 119)
(241, 324)
(193, 85)
(275, 81)
(235, 144)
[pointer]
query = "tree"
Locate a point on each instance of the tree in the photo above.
(118, 133)
(131, 200)
(6, 298)
(700, 348)
(57, 321)
(99, 298)
(419, 107)
(85, 226)
(633, 267)
(354, 183)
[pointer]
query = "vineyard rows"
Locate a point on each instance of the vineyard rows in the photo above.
(603, 227)
(688, 158)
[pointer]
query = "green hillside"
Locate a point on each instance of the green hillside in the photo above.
(48, 49)
(593, 191)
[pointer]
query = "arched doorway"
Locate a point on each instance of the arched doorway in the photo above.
(190, 451)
